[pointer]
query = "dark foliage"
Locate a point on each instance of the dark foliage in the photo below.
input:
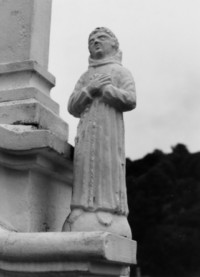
(164, 203)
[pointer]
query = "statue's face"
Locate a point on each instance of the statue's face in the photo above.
(101, 45)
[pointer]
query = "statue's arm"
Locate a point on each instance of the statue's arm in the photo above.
(122, 97)
(80, 98)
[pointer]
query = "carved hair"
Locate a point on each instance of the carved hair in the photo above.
(107, 31)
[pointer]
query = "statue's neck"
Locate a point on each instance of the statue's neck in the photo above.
(116, 58)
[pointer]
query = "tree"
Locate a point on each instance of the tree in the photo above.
(164, 203)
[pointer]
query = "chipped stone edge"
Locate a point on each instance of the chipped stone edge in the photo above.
(18, 138)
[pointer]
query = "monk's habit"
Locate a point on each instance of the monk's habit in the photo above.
(99, 159)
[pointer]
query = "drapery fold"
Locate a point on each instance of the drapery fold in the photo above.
(99, 160)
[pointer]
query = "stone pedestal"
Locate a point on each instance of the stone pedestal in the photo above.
(36, 172)
(35, 179)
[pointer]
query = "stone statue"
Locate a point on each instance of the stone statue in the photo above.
(100, 97)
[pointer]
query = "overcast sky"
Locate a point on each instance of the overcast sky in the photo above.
(160, 41)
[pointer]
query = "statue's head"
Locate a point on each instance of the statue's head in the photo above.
(102, 43)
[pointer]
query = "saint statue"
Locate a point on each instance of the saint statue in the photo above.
(102, 94)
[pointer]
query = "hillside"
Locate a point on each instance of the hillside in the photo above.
(164, 203)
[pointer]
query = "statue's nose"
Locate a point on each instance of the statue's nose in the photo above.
(96, 41)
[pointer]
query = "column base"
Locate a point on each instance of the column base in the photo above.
(36, 178)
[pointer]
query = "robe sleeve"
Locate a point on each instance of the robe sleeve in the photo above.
(123, 96)
(79, 99)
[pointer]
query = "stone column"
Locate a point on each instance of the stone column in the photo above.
(35, 161)
(24, 31)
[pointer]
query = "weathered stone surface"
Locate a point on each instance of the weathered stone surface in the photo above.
(30, 112)
(19, 137)
(26, 66)
(24, 48)
(35, 178)
(35, 159)
(100, 97)
(26, 80)
(24, 30)
(65, 254)
(29, 93)
(81, 220)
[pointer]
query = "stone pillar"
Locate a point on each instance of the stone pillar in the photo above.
(35, 159)
(24, 31)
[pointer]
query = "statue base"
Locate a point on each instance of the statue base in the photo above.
(85, 221)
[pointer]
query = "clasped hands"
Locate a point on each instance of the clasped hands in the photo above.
(97, 83)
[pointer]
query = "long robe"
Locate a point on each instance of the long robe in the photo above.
(99, 159)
